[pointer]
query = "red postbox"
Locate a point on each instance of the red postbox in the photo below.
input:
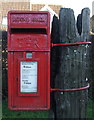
(28, 60)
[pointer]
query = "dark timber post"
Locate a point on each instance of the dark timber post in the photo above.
(54, 62)
(73, 65)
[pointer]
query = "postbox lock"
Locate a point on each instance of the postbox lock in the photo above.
(28, 55)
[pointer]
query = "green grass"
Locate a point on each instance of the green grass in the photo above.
(21, 114)
(37, 114)
(90, 110)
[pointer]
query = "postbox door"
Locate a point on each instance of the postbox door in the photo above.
(29, 82)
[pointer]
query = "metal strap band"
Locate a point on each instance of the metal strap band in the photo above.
(67, 44)
(66, 90)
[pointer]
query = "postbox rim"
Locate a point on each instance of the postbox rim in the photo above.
(28, 12)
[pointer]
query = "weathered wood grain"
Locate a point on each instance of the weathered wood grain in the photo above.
(54, 62)
(73, 65)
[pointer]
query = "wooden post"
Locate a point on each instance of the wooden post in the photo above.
(73, 65)
(54, 62)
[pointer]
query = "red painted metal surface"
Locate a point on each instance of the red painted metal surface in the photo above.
(69, 90)
(28, 32)
(65, 44)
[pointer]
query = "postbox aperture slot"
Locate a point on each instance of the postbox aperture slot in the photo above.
(29, 30)
(28, 77)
